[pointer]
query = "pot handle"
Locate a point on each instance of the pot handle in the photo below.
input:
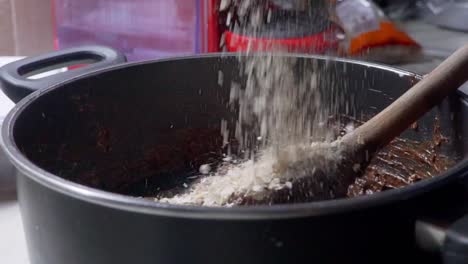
(455, 250)
(14, 79)
(446, 236)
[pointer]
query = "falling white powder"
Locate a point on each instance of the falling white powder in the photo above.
(282, 114)
(224, 4)
(220, 78)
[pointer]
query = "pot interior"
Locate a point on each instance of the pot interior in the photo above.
(144, 128)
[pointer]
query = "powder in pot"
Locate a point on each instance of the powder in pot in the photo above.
(399, 164)
(256, 179)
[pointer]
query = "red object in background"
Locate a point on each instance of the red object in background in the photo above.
(291, 31)
(213, 26)
(76, 66)
(318, 43)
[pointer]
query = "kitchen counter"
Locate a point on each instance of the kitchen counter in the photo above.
(12, 243)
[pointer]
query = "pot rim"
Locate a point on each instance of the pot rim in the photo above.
(261, 212)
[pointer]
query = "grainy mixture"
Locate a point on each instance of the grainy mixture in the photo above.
(256, 179)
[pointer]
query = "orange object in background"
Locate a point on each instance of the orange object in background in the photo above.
(387, 34)
(371, 35)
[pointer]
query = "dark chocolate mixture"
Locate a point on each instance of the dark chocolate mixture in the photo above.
(171, 164)
(403, 162)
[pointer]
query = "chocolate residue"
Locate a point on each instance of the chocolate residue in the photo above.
(402, 163)
(415, 126)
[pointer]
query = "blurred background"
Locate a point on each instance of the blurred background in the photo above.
(148, 29)
(26, 27)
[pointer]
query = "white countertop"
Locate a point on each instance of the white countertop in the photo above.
(12, 241)
(5, 103)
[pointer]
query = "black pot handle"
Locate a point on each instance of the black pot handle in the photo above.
(14, 76)
(455, 249)
(447, 234)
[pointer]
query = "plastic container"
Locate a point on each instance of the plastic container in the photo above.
(143, 29)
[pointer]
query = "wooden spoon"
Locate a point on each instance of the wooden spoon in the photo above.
(371, 136)
(358, 147)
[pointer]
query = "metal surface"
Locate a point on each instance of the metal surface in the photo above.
(453, 16)
(429, 237)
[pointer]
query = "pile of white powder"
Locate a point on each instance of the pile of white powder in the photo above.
(273, 170)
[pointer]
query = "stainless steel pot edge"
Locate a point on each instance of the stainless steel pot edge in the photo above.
(139, 205)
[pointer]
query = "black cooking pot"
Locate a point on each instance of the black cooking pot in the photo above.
(90, 138)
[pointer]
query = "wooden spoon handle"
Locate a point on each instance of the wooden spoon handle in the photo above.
(413, 104)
